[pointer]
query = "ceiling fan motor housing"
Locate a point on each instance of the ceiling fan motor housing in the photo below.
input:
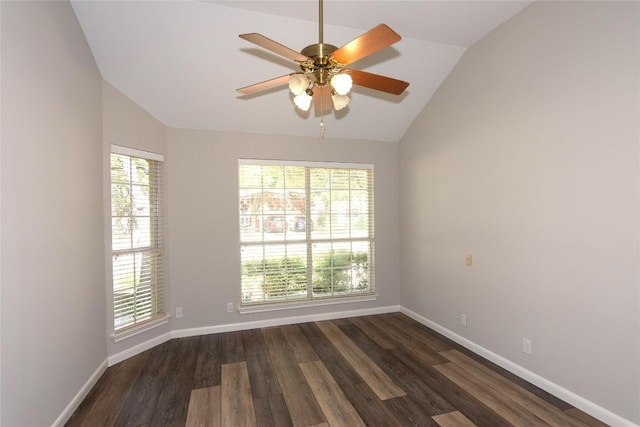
(323, 67)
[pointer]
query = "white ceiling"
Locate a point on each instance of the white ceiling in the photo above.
(183, 60)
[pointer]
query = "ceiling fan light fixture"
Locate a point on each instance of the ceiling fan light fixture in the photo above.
(303, 101)
(340, 101)
(298, 83)
(341, 83)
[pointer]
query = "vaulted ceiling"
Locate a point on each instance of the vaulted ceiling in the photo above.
(182, 61)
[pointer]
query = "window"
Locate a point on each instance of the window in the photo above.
(136, 231)
(306, 231)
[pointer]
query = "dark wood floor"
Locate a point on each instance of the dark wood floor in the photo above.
(383, 370)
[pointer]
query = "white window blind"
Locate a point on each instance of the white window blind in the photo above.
(306, 231)
(137, 237)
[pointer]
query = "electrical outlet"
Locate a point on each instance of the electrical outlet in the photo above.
(463, 320)
(229, 307)
(526, 346)
(468, 260)
(178, 312)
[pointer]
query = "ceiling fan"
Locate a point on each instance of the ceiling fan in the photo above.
(324, 77)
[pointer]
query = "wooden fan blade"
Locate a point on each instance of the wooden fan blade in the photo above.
(267, 84)
(275, 47)
(322, 99)
(377, 82)
(370, 42)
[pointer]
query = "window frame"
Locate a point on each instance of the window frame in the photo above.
(154, 250)
(312, 298)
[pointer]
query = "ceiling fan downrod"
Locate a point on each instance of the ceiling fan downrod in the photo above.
(320, 23)
(322, 68)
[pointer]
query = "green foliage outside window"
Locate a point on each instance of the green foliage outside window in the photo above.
(336, 272)
(280, 276)
(340, 271)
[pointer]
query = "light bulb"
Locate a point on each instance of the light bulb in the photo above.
(341, 83)
(340, 101)
(298, 83)
(303, 101)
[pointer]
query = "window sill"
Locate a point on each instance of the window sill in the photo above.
(142, 327)
(276, 306)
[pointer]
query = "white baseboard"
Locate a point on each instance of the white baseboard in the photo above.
(573, 399)
(77, 400)
(130, 352)
(282, 321)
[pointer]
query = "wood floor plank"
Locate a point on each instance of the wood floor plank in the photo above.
(303, 407)
(96, 393)
(372, 374)
(507, 409)
(414, 340)
(207, 372)
(272, 411)
(335, 405)
(473, 409)
(342, 321)
(408, 325)
(205, 407)
(137, 410)
(337, 365)
(430, 401)
(236, 400)
(372, 410)
(527, 400)
(114, 393)
(585, 418)
(409, 412)
(263, 412)
(453, 419)
(279, 411)
(173, 401)
(374, 332)
(232, 348)
(302, 350)
(261, 373)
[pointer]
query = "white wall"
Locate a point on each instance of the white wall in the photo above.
(528, 158)
(204, 246)
(53, 288)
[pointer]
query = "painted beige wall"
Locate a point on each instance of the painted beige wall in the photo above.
(528, 158)
(53, 299)
(203, 218)
(127, 124)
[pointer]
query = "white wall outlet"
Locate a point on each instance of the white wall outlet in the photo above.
(178, 312)
(463, 320)
(229, 307)
(468, 260)
(526, 346)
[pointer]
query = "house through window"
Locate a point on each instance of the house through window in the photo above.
(306, 231)
(136, 231)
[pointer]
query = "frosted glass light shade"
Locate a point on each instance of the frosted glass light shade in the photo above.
(340, 101)
(298, 83)
(341, 83)
(303, 101)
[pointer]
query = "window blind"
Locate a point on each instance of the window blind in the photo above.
(137, 237)
(306, 230)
